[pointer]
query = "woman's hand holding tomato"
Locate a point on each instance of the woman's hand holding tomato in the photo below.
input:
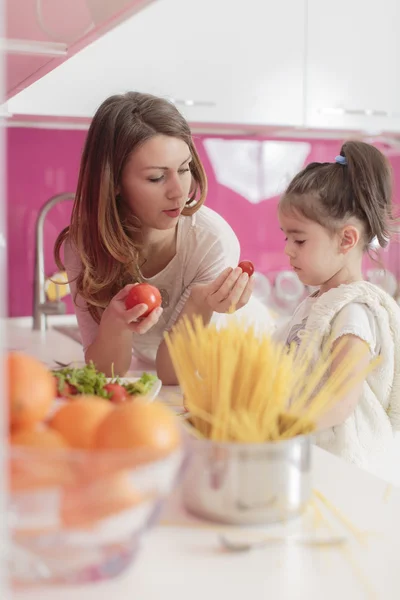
(230, 291)
(138, 319)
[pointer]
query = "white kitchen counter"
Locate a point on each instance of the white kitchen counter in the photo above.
(47, 346)
(181, 558)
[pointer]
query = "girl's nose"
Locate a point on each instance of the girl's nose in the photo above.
(289, 251)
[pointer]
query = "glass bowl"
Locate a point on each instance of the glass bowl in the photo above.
(79, 516)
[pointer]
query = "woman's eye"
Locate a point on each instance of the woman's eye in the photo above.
(155, 179)
(184, 170)
(300, 242)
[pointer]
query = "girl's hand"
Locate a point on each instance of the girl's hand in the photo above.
(117, 316)
(230, 291)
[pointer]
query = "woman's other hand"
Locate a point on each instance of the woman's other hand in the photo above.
(230, 291)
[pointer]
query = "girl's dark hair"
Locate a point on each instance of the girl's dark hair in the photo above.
(331, 193)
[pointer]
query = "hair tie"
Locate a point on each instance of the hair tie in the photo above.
(341, 160)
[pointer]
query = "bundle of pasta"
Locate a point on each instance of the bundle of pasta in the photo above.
(242, 386)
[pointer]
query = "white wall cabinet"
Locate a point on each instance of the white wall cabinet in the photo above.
(239, 62)
(41, 34)
(353, 65)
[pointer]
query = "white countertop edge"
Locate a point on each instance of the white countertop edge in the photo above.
(27, 322)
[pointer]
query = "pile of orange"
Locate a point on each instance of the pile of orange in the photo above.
(45, 446)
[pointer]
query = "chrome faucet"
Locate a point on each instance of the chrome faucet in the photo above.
(41, 308)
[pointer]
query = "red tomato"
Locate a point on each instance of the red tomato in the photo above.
(117, 392)
(247, 267)
(71, 390)
(143, 293)
(67, 390)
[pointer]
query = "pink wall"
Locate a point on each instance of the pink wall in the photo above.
(45, 162)
(41, 163)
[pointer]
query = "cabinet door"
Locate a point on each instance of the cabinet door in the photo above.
(222, 61)
(353, 74)
(42, 34)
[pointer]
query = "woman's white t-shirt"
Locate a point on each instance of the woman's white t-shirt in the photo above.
(206, 245)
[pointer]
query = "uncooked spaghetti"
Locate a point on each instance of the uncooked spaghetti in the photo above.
(242, 386)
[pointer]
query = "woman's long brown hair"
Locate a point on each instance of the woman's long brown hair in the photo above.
(101, 231)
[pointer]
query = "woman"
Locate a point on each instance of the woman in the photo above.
(138, 216)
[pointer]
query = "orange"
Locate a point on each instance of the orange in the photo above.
(39, 458)
(137, 425)
(77, 421)
(38, 437)
(31, 389)
(83, 505)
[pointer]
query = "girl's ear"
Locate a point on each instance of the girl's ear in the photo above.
(349, 238)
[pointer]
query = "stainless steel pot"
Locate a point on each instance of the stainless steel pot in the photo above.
(248, 483)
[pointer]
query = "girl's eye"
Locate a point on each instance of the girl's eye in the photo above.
(300, 242)
(184, 170)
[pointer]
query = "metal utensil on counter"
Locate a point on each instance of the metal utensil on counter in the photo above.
(241, 484)
(304, 540)
(62, 365)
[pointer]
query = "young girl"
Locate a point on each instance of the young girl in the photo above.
(331, 214)
(138, 216)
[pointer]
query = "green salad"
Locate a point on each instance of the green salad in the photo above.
(88, 380)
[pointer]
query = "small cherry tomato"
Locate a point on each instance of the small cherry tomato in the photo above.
(71, 389)
(247, 267)
(66, 390)
(117, 392)
(143, 293)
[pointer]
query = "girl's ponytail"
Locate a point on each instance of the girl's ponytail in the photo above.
(370, 180)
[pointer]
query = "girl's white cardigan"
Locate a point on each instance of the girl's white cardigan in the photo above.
(367, 435)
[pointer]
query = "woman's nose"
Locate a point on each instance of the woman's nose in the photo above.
(174, 189)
